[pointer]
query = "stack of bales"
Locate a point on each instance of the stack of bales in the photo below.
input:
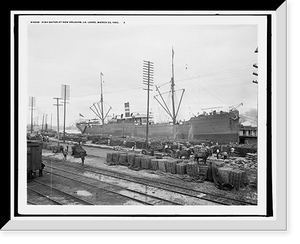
(146, 162)
(181, 168)
(171, 165)
(112, 158)
(236, 177)
(162, 165)
(192, 169)
(154, 164)
(131, 159)
(123, 159)
(251, 156)
(203, 170)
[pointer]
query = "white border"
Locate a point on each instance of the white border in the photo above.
(160, 223)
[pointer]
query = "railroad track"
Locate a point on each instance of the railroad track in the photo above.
(53, 196)
(130, 194)
(179, 193)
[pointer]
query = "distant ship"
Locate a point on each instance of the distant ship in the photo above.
(218, 127)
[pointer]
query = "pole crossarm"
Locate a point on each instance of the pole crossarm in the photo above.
(148, 81)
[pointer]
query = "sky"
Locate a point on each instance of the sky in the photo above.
(213, 63)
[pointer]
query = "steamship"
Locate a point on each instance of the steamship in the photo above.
(221, 127)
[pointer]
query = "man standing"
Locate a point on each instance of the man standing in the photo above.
(82, 159)
(231, 151)
(218, 152)
(65, 153)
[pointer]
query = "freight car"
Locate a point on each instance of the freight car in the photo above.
(34, 159)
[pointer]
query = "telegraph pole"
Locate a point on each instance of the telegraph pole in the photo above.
(43, 123)
(31, 105)
(148, 81)
(65, 95)
(46, 126)
(57, 105)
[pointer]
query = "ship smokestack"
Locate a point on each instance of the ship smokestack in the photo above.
(127, 109)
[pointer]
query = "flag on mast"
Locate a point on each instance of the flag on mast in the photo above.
(81, 115)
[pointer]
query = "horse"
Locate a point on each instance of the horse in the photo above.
(203, 153)
(186, 153)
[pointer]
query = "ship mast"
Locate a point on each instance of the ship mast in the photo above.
(163, 104)
(98, 107)
(101, 99)
(172, 89)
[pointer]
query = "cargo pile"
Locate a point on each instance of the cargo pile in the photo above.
(241, 164)
(234, 176)
(156, 144)
(251, 157)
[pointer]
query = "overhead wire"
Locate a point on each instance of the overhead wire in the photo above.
(211, 74)
(220, 98)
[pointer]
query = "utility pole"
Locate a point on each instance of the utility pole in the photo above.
(43, 123)
(65, 95)
(51, 121)
(46, 126)
(172, 90)
(31, 106)
(148, 81)
(57, 105)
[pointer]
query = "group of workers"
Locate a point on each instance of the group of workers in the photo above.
(65, 150)
(225, 154)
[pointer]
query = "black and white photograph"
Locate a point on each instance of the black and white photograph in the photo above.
(144, 115)
(141, 114)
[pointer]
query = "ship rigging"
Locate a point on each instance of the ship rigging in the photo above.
(98, 107)
(174, 114)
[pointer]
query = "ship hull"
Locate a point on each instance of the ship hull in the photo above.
(221, 128)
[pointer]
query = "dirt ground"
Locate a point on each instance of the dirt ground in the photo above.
(97, 158)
